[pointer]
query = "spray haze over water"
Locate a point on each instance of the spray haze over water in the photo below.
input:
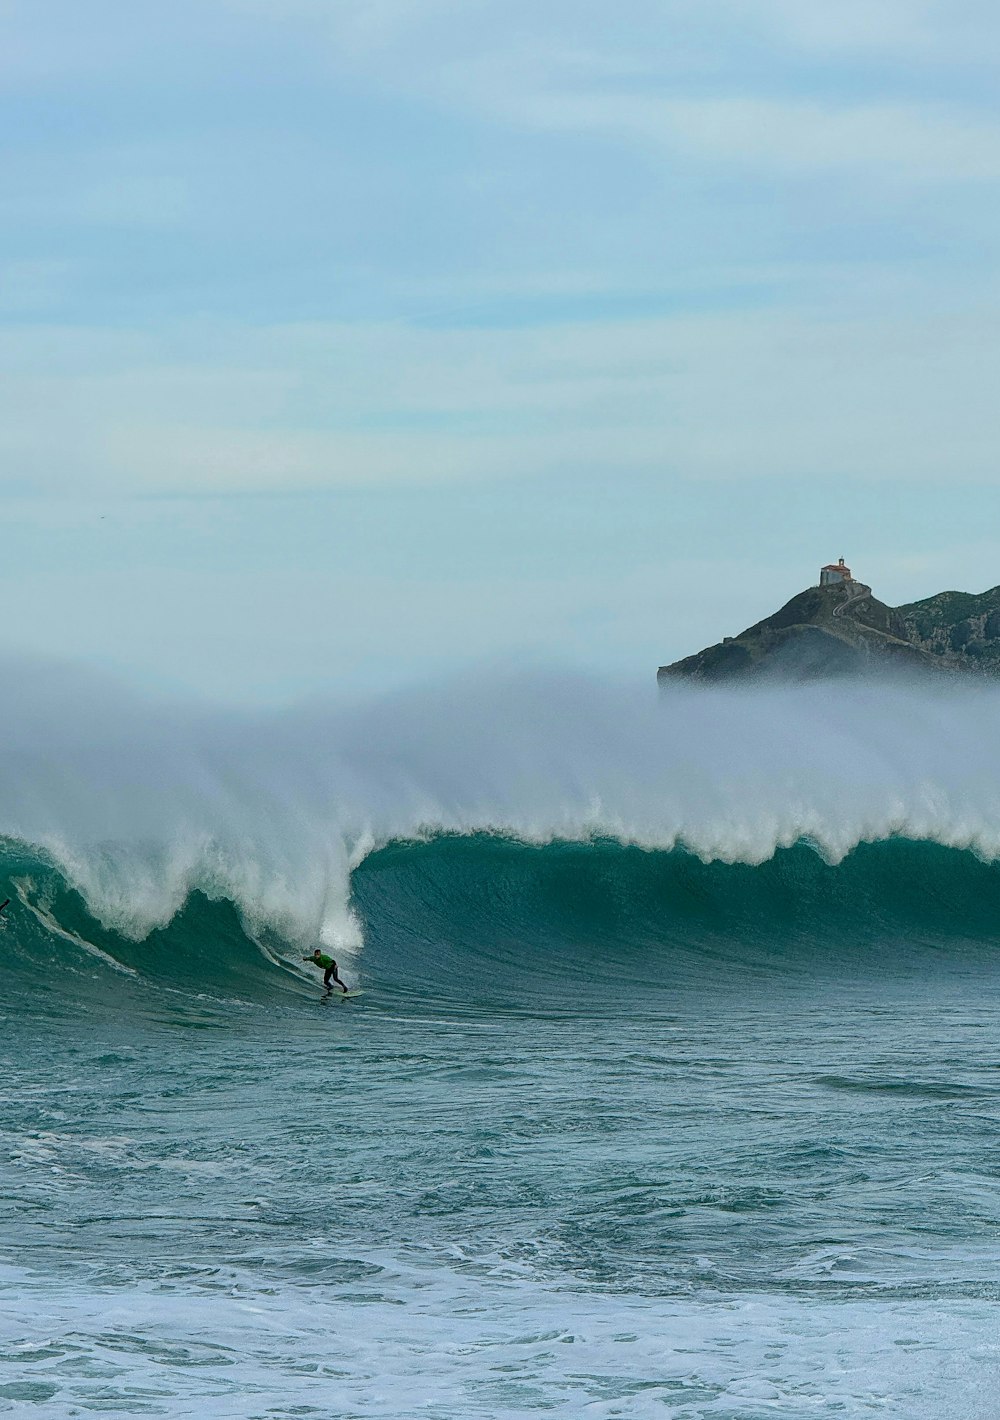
(139, 805)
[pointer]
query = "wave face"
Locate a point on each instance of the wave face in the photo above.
(482, 920)
(554, 828)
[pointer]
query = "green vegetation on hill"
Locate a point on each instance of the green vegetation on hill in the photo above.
(958, 624)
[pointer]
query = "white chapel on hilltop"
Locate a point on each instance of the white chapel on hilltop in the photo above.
(834, 573)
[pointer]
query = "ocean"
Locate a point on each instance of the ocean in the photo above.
(673, 1088)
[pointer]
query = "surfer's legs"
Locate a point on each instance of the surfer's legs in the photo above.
(331, 971)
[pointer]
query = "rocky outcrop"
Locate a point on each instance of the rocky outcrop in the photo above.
(959, 626)
(843, 630)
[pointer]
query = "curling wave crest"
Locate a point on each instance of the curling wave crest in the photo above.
(323, 823)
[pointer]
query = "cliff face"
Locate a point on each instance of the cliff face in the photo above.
(844, 630)
(958, 625)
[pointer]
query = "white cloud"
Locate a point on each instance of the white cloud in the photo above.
(937, 32)
(925, 141)
(361, 27)
(801, 138)
(757, 394)
(646, 33)
(848, 25)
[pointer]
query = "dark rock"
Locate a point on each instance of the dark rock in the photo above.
(843, 630)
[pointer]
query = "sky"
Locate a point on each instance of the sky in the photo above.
(351, 343)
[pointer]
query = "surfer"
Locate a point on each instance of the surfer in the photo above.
(328, 967)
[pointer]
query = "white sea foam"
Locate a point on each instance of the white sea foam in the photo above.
(141, 803)
(459, 1347)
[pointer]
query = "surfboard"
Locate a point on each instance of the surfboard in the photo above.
(341, 995)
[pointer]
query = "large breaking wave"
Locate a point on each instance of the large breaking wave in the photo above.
(544, 824)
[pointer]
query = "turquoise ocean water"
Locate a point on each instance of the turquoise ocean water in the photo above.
(674, 1089)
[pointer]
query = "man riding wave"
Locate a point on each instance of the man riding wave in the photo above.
(328, 967)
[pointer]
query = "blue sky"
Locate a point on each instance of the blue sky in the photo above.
(347, 343)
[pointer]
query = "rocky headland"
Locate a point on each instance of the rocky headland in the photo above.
(843, 630)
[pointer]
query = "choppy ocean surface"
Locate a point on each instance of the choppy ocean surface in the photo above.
(674, 1087)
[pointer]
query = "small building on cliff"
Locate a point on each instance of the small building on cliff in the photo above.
(834, 573)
